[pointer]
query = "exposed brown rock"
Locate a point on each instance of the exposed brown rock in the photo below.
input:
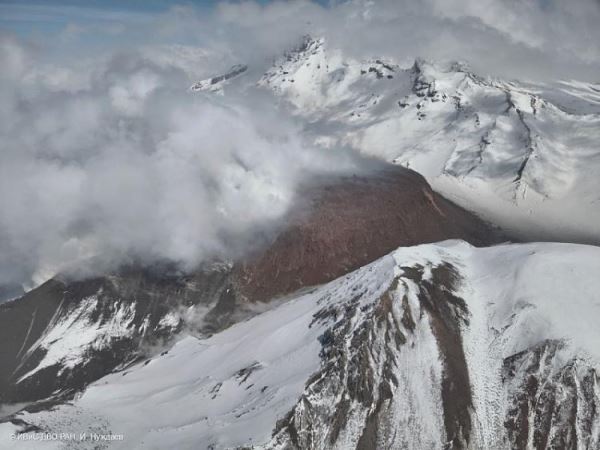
(351, 221)
(447, 312)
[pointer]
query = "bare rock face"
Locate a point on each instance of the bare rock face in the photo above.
(216, 83)
(63, 335)
(554, 401)
(352, 221)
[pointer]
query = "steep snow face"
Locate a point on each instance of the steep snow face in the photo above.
(507, 150)
(436, 346)
(61, 336)
(70, 337)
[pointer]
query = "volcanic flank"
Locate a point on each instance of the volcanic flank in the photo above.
(351, 221)
(63, 335)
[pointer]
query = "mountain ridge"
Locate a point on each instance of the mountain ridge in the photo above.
(427, 347)
(519, 154)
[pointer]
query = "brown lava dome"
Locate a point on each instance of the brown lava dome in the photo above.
(347, 222)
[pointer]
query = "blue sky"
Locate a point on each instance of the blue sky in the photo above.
(26, 17)
(72, 28)
(51, 16)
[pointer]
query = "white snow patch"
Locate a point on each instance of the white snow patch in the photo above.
(68, 338)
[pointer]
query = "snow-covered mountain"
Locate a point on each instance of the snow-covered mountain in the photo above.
(523, 155)
(435, 346)
(378, 314)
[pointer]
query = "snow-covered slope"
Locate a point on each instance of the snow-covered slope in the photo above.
(435, 346)
(63, 335)
(525, 156)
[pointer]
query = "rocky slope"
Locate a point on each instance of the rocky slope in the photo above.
(64, 334)
(435, 346)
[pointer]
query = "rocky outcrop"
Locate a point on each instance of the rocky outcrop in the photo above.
(554, 401)
(216, 83)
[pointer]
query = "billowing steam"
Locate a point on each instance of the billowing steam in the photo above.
(106, 156)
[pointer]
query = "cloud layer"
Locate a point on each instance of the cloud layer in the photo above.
(119, 160)
(105, 154)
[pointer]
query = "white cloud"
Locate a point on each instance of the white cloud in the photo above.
(104, 152)
(136, 166)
